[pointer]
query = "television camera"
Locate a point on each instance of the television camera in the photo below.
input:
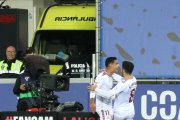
(47, 84)
(44, 85)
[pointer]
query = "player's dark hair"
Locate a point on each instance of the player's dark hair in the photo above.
(110, 60)
(128, 66)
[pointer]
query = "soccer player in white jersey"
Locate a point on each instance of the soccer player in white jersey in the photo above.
(123, 92)
(104, 81)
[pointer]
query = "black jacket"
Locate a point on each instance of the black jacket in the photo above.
(23, 78)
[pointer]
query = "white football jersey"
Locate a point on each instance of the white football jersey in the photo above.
(124, 93)
(104, 106)
(103, 82)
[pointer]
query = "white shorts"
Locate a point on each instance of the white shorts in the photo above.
(105, 114)
(124, 114)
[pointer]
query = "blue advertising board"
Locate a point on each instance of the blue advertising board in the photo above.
(157, 102)
(152, 101)
(77, 92)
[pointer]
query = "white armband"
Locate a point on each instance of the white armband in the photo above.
(92, 94)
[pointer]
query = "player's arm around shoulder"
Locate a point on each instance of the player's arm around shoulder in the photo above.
(117, 77)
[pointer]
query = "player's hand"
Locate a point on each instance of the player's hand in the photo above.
(92, 87)
(23, 87)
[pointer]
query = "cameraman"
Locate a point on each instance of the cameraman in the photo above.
(26, 96)
(26, 85)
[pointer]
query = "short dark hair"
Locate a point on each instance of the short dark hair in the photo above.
(128, 66)
(110, 60)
